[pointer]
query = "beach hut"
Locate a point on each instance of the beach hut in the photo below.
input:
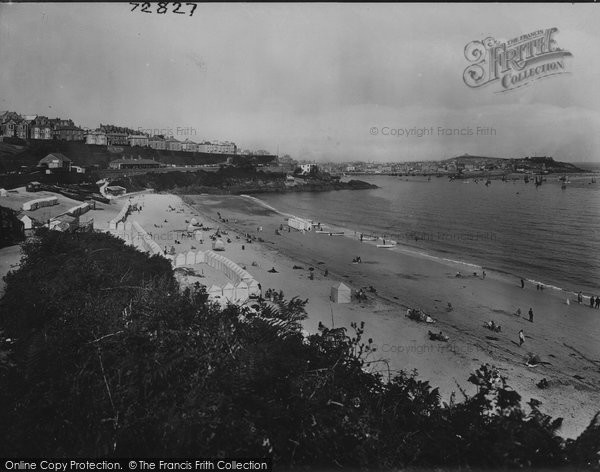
(200, 257)
(180, 260)
(341, 293)
(228, 290)
(190, 259)
(241, 292)
(3, 192)
(120, 227)
(198, 236)
(253, 290)
(218, 245)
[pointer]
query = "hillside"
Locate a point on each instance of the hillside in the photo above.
(14, 157)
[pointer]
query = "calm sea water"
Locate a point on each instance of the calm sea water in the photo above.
(544, 234)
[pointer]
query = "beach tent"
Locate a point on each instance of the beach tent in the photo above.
(210, 258)
(214, 292)
(198, 235)
(200, 257)
(218, 245)
(190, 258)
(194, 221)
(228, 290)
(253, 289)
(3, 192)
(241, 292)
(341, 293)
(120, 227)
(190, 228)
(180, 260)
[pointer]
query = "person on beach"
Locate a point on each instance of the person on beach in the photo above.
(579, 298)
(361, 237)
(531, 315)
(483, 275)
(592, 301)
(597, 302)
(522, 283)
(521, 338)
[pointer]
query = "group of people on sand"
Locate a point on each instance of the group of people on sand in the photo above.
(594, 301)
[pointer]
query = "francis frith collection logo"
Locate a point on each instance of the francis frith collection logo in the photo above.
(514, 63)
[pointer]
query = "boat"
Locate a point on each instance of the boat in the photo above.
(386, 246)
(331, 233)
(369, 238)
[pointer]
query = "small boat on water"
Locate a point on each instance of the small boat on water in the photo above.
(368, 238)
(386, 246)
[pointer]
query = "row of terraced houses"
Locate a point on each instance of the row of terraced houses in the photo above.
(14, 125)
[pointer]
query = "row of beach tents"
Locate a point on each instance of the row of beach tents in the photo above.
(121, 217)
(245, 285)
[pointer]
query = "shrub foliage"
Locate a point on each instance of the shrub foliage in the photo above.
(108, 357)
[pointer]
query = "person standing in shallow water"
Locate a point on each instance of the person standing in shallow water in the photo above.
(531, 315)
(522, 283)
(597, 302)
(591, 301)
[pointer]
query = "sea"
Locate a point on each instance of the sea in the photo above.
(544, 234)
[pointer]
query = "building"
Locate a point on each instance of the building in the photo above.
(157, 142)
(33, 187)
(173, 144)
(41, 128)
(115, 190)
(114, 138)
(56, 160)
(68, 133)
(189, 146)
(96, 137)
(78, 169)
(217, 148)
(307, 168)
(137, 140)
(134, 164)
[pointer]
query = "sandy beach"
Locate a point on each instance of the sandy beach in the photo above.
(563, 336)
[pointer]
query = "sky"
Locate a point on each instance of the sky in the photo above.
(335, 82)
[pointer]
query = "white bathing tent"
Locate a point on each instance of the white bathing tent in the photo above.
(200, 257)
(198, 235)
(218, 245)
(228, 290)
(190, 258)
(180, 260)
(341, 293)
(253, 290)
(214, 292)
(241, 292)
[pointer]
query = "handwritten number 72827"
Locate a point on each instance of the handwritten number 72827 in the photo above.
(162, 7)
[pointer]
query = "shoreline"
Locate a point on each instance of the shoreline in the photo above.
(439, 256)
(409, 280)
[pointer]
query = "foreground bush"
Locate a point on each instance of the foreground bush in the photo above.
(109, 358)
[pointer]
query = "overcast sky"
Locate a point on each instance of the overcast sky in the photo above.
(308, 79)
